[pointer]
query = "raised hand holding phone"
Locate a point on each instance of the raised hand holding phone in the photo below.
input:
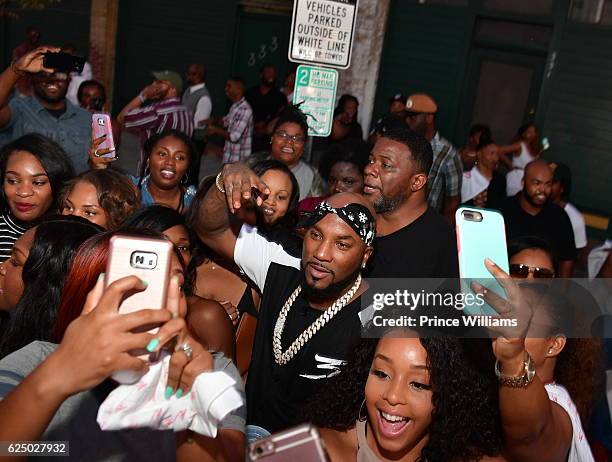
(33, 62)
(480, 235)
(98, 342)
(102, 136)
(509, 340)
(149, 259)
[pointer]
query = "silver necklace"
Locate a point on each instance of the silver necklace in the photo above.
(283, 358)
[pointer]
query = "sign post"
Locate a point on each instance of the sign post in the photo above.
(322, 32)
(315, 89)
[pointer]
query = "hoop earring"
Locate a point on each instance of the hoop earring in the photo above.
(185, 179)
(359, 416)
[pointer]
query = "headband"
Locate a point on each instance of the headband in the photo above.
(357, 216)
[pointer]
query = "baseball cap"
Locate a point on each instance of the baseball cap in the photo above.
(420, 103)
(173, 77)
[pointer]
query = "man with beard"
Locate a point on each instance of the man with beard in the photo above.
(47, 112)
(413, 240)
(267, 101)
(446, 173)
(308, 319)
(531, 213)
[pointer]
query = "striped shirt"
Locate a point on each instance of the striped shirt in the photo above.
(239, 124)
(10, 231)
(446, 173)
(159, 116)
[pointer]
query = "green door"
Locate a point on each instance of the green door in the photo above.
(502, 89)
(261, 39)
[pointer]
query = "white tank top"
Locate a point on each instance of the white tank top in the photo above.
(523, 158)
(580, 451)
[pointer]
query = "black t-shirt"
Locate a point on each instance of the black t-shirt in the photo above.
(551, 224)
(426, 248)
(275, 394)
(265, 107)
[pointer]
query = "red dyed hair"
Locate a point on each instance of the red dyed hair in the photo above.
(89, 261)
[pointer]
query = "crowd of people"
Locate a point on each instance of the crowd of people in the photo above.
(271, 262)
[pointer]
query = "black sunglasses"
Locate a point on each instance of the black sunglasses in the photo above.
(522, 271)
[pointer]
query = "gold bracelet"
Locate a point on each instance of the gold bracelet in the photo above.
(521, 381)
(219, 183)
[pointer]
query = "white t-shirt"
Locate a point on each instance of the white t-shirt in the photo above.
(580, 451)
(254, 254)
(577, 224)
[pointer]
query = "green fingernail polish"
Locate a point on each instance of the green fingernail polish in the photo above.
(100, 276)
(152, 345)
(179, 392)
(145, 283)
(168, 393)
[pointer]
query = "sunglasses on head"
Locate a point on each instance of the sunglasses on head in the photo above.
(522, 271)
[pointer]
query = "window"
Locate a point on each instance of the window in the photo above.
(592, 11)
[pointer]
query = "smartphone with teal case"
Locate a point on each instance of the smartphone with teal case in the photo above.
(481, 234)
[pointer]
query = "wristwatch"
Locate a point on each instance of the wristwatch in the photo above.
(521, 381)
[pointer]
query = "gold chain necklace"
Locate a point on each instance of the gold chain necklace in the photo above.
(283, 358)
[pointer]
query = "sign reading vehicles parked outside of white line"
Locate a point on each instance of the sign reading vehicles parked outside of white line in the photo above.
(322, 32)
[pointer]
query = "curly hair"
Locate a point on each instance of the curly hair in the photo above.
(579, 370)
(117, 195)
(465, 420)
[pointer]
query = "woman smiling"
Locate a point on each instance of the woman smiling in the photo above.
(410, 398)
(164, 174)
(32, 171)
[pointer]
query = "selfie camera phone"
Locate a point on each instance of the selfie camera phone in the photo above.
(298, 444)
(63, 62)
(149, 259)
(101, 125)
(481, 234)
